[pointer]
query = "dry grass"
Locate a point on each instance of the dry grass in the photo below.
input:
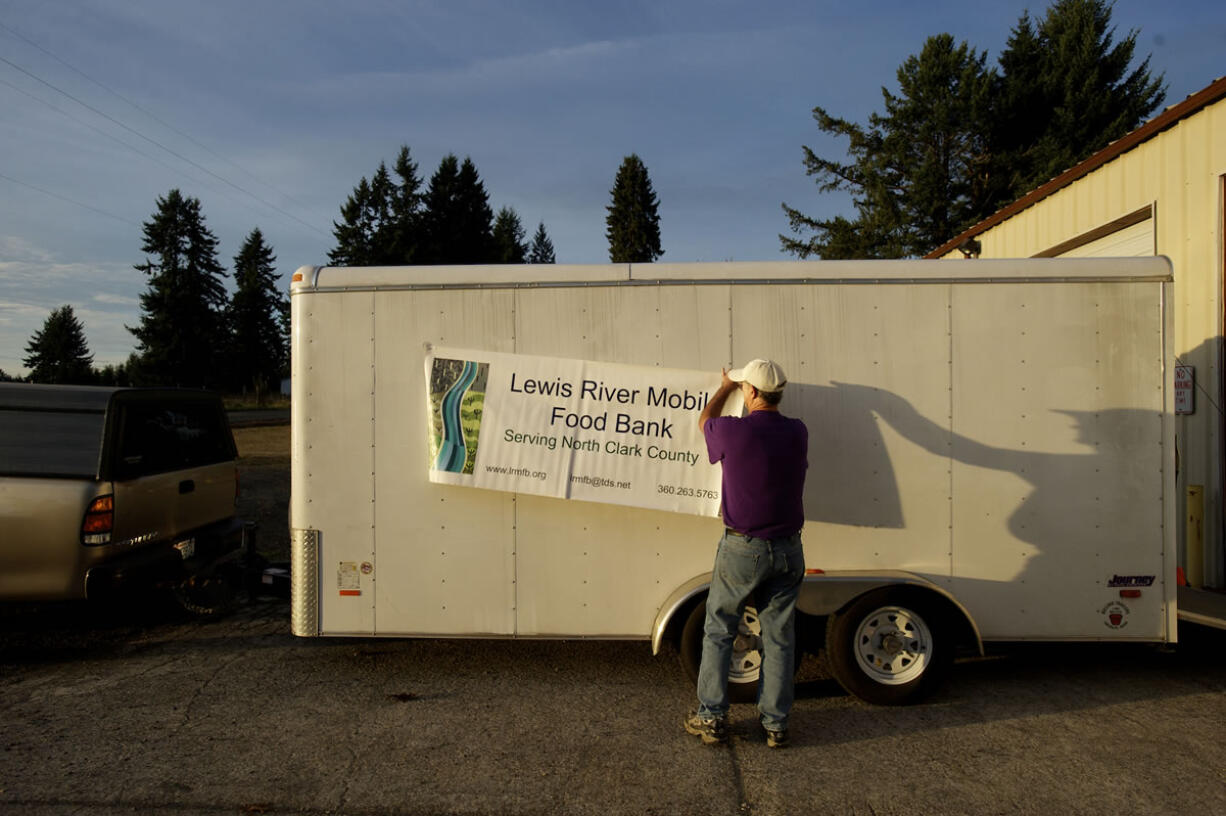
(263, 442)
(248, 402)
(263, 466)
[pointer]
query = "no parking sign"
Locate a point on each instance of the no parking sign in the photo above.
(1185, 381)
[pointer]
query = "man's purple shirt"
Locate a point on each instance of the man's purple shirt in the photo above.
(764, 458)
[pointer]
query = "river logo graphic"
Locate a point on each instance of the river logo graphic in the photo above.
(457, 399)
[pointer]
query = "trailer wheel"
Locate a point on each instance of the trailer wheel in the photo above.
(890, 647)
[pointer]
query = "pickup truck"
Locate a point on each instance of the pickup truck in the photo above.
(109, 491)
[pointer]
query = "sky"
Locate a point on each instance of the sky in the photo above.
(271, 111)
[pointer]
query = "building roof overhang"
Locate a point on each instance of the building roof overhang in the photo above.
(1169, 117)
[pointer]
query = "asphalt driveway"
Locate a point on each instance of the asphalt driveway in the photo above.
(136, 712)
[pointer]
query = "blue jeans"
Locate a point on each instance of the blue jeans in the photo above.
(774, 567)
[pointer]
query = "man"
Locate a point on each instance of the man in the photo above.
(764, 458)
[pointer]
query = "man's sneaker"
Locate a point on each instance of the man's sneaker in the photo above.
(712, 730)
(777, 739)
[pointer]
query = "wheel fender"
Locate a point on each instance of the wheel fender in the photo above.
(677, 601)
(826, 593)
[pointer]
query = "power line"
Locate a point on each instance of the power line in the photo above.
(156, 143)
(150, 114)
(69, 200)
(99, 131)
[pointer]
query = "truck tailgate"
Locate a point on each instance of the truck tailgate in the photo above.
(165, 505)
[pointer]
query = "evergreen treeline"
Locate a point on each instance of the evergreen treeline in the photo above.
(959, 140)
(193, 333)
(391, 219)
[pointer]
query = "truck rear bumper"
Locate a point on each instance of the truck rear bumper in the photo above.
(169, 562)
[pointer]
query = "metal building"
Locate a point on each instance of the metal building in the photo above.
(1160, 190)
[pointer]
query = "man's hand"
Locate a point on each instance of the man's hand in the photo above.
(715, 405)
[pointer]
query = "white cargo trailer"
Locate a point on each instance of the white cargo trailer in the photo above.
(991, 456)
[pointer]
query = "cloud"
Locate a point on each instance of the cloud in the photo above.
(119, 300)
(17, 250)
(15, 311)
(34, 280)
(559, 65)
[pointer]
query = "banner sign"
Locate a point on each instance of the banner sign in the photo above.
(573, 429)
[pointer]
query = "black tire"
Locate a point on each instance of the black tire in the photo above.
(746, 658)
(892, 646)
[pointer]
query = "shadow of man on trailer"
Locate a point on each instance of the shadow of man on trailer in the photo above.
(1072, 501)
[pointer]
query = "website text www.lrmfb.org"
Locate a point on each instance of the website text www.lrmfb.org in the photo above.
(591, 481)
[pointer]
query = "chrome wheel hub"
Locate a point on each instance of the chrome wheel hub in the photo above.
(893, 645)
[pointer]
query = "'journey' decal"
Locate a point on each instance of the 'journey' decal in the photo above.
(1131, 581)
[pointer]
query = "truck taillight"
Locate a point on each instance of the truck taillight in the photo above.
(99, 521)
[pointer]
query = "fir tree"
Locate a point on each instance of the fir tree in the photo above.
(633, 218)
(381, 220)
(257, 316)
(112, 374)
(916, 174)
(1021, 115)
(362, 235)
(404, 233)
(457, 221)
(1066, 91)
(476, 232)
(440, 229)
(58, 354)
(509, 246)
(542, 248)
(181, 336)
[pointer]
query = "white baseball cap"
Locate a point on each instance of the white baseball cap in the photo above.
(763, 375)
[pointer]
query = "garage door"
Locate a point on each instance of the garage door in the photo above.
(1131, 241)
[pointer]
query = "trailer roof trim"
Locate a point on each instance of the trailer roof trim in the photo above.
(330, 279)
